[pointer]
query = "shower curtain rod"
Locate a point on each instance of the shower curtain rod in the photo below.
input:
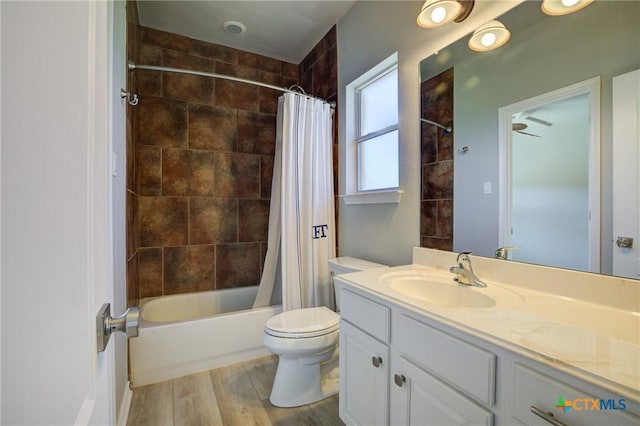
(445, 128)
(133, 67)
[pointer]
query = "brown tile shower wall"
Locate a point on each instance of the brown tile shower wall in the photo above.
(199, 195)
(131, 135)
(436, 210)
(319, 76)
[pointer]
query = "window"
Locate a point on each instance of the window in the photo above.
(372, 131)
(377, 126)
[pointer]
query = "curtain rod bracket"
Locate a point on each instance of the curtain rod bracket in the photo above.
(132, 98)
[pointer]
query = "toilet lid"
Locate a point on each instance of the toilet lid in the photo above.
(302, 323)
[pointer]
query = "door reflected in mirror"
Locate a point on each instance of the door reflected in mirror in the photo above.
(550, 178)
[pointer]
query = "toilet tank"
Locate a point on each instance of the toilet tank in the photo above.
(343, 265)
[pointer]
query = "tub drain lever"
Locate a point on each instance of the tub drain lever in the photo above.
(126, 323)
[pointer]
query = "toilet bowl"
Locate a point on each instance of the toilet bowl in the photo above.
(306, 342)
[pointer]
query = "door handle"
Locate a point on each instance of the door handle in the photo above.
(399, 379)
(126, 323)
(376, 361)
(624, 242)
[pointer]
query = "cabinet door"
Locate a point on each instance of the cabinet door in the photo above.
(364, 377)
(420, 399)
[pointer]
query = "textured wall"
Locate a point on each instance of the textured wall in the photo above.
(203, 148)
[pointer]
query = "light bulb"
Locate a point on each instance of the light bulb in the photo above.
(438, 14)
(569, 3)
(488, 39)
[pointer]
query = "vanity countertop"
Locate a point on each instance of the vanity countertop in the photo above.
(599, 343)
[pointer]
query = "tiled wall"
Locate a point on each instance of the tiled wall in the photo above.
(132, 131)
(204, 158)
(319, 76)
(436, 205)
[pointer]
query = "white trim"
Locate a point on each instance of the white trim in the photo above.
(385, 196)
(592, 87)
(125, 404)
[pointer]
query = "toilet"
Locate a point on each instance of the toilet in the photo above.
(306, 342)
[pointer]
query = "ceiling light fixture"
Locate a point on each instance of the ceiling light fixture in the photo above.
(435, 13)
(489, 36)
(234, 27)
(563, 7)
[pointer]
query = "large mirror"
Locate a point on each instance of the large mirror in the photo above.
(461, 169)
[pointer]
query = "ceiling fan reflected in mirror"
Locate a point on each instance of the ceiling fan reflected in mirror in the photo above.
(520, 127)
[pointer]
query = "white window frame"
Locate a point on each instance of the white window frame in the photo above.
(352, 194)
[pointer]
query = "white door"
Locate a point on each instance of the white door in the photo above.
(626, 178)
(56, 257)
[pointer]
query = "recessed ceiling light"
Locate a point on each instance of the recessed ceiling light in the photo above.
(234, 27)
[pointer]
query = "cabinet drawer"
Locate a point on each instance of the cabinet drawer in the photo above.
(531, 388)
(462, 364)
(366, 314)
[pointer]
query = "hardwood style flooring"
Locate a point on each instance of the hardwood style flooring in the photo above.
(236, 395)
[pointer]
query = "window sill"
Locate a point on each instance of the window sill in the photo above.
(386, 196)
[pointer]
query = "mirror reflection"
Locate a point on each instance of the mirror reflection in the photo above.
(464, 90)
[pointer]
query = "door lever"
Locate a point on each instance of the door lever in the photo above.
(126, 323)
(624, 242)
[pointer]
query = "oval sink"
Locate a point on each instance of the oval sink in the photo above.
(438, 289)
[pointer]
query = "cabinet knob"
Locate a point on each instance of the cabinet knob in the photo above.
(399, 379)
(546, 416)
(376, 361)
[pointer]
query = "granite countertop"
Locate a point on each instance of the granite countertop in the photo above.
(597, 343)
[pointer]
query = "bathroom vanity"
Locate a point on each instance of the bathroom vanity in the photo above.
(417, 348)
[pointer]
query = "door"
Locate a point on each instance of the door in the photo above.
(56, 235)
(418, 398)
(364, 372)
(626, 178)
(550, 178)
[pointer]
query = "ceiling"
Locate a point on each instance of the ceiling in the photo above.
(285, 30)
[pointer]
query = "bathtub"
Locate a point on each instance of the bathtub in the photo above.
(187, 333)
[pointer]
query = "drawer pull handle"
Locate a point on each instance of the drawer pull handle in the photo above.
(376, 361)
(546, 416)
(399, 379)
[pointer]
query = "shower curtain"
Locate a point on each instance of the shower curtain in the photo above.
(302, 216)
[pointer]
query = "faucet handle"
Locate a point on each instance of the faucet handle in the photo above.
(463, 253)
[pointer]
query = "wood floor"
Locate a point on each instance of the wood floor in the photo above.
(236, 395)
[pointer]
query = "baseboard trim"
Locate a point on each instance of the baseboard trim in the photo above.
(125, 404)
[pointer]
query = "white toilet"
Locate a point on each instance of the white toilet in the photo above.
(306, 342)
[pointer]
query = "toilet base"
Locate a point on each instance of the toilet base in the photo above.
(298, 383)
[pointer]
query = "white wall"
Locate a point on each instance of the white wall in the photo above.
(367, 34)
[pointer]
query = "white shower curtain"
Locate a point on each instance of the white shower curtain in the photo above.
(302, 216)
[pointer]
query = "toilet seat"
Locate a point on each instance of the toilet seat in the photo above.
(303, 323)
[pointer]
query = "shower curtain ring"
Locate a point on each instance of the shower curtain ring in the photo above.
(132, 98)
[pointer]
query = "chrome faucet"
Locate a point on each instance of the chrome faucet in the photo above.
(503, 252)
(464, 271)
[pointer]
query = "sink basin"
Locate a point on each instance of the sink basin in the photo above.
(438, 289)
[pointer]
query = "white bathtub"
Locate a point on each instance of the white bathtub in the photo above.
(187, 333)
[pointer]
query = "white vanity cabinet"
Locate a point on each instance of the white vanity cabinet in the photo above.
(400, 366)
